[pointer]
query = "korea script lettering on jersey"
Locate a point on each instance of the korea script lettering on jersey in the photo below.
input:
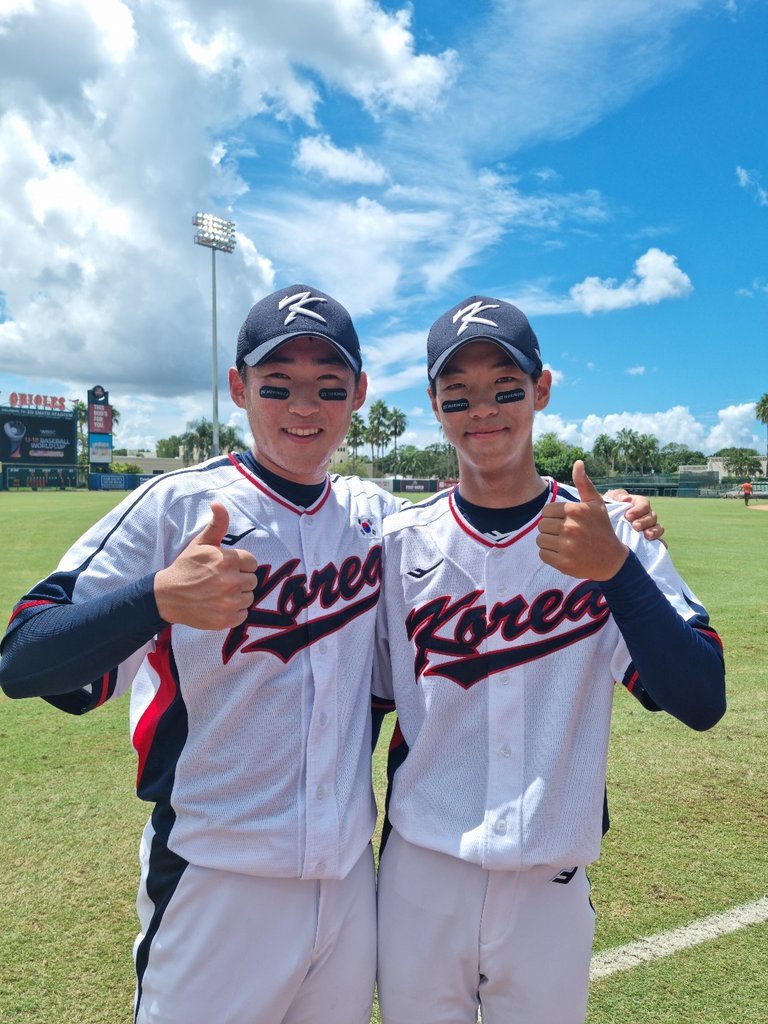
(281, 595)
(458, 630)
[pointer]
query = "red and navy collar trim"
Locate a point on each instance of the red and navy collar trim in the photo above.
(485, 541)
(262, 486)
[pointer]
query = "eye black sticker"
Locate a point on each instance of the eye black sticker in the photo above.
(510, 396)
(333, 394)
(455, 405)
(269, 392)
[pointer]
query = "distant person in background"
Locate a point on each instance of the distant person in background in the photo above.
(746, 489)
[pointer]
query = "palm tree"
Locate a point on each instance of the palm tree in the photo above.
(377, 433)
(761, 413)
(197, 440)
(604, 449)
(230, 439)
(646, 452)
(397, 425)
(356, 435)
(626, 447)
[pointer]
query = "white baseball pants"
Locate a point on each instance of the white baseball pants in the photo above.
(454, 937)
(239, 949)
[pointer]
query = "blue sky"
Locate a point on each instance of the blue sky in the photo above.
(602, 164)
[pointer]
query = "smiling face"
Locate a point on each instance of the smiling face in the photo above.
(297, 436)
(493, 439)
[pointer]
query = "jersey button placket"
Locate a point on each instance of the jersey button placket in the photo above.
(322, 822)
(506, 710)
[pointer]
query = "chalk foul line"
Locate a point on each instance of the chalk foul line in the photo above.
(623, 958)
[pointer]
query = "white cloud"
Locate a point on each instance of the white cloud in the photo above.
(734, 429)
(675, 424)
(758, 287)
(354, 45)
(547, 422)
(635, 371)
(119, 119)
(656, 277)
(751, 180)
(395, 363)
(319, 154)
(357, 249)
(571, 64)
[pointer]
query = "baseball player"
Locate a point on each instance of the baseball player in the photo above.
(510, 606)
(237, 599)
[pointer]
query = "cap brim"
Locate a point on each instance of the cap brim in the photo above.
(526, 364)
(260, 353)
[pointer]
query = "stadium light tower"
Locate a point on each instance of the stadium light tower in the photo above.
(214, 233)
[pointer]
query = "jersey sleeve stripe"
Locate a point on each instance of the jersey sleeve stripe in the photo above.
(25, 605)
(147, 725)
(711, 635)
(106, 688)
(631, 678)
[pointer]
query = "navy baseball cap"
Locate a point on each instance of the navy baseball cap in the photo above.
(490, 319)
(291, 312)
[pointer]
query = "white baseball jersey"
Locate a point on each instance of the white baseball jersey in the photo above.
(502, 671)
(256, 739)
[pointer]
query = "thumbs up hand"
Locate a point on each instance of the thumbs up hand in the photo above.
(577, 537)
(207, 586)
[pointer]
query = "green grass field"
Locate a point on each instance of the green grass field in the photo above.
(689, 810)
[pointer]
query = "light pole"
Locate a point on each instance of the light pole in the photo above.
(215, 233)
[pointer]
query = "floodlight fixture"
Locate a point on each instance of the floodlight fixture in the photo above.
(214, 233)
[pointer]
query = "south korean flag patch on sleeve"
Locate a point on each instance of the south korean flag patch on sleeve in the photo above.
(369, 527)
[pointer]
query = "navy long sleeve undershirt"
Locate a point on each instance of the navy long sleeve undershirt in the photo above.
(680, 667)
(63, 647)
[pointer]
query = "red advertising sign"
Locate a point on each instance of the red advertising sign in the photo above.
(100, 419)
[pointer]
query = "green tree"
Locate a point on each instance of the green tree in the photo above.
(646, 452)
(377, 431)
(197, 440)
(674, 455)
(411, 461)
(761, 412)
(440, 461)
(356, 435)
(626, 441)
(169, 447)
(740, 462)
(397, 425)
(604, 454)
(230, 439)
(554, 457)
